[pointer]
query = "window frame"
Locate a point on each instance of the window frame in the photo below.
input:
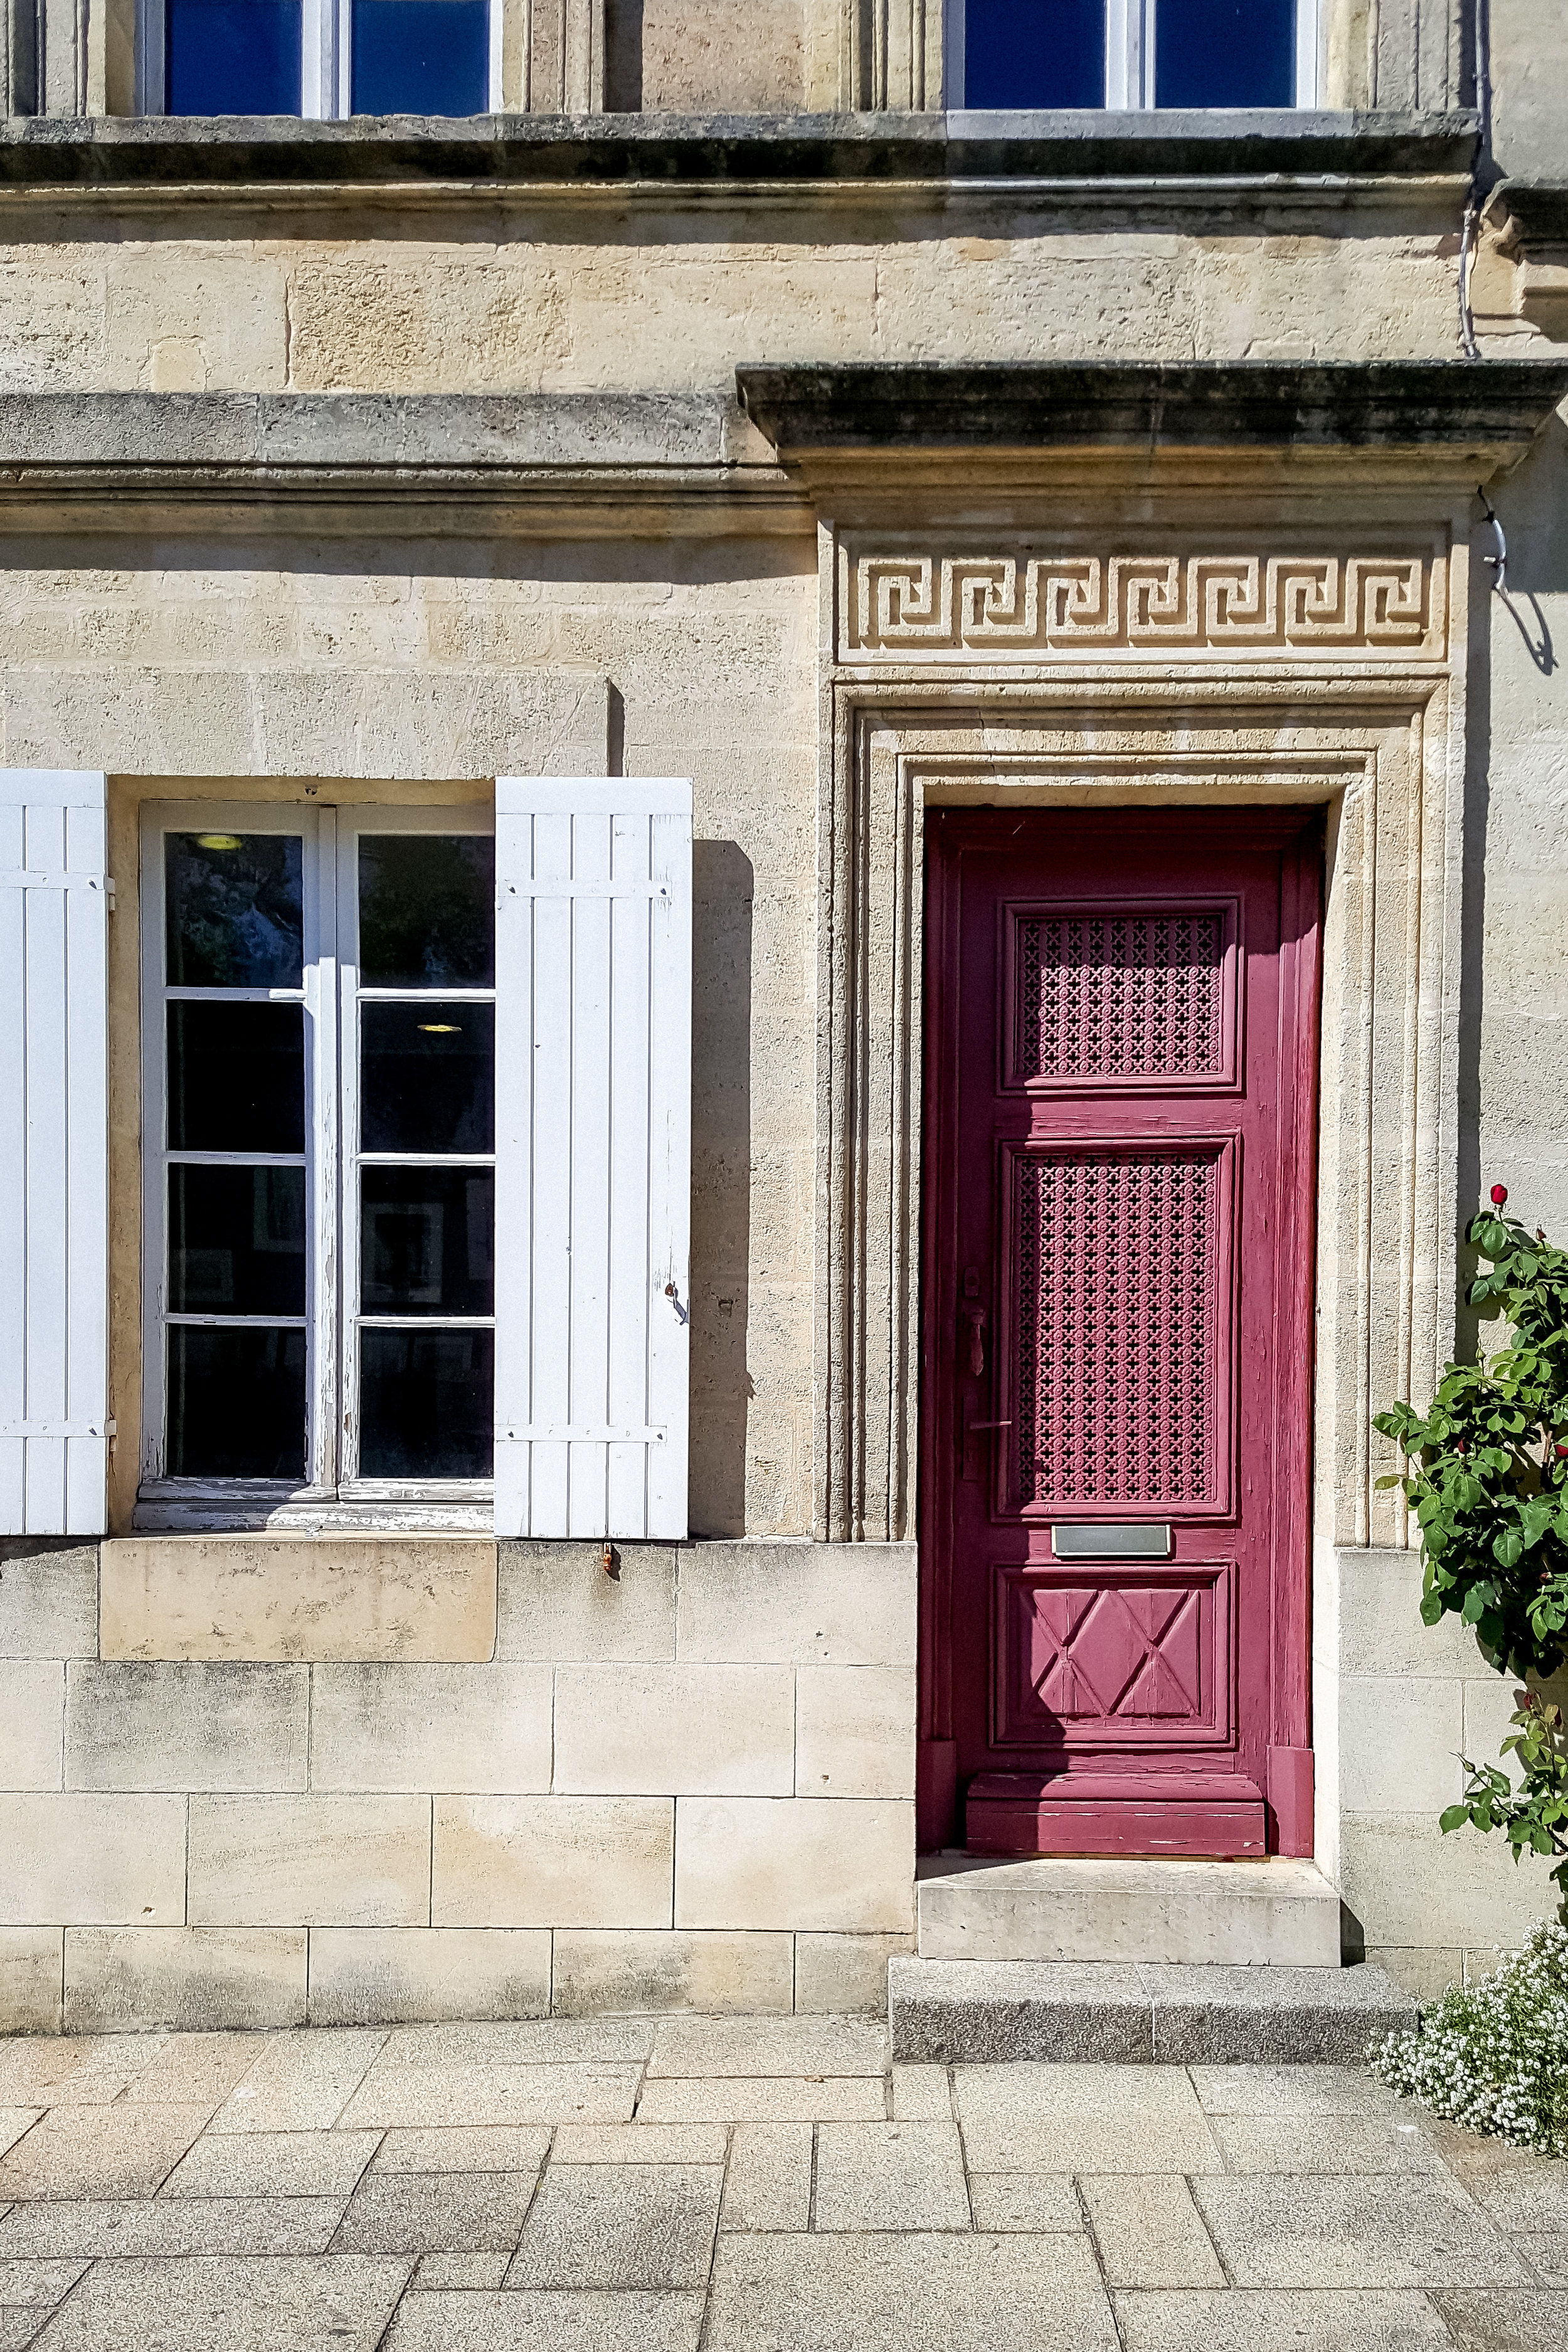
(332, 1494)
(326, 59)
(1129, 54)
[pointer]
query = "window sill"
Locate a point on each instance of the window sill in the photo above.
(180, 1507)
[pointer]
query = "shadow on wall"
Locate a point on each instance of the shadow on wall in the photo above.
(1516, 658)
(723, 885)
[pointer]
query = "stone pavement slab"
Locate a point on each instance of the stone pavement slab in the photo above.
(523, 2042)
(769, 2099)
(594, 2225)
(1297, 2230)
(1025, 2201)
(1293, 2091)
(301, 2082)
(394, 2095)
(488, 2147)
(570, 2322)
(436, 2212)
(273, 2164)
(641, 2143)
(1148, 2232)
(178, 2226)
(14, 2122)
(18, 2328)
(884, 2294)
(120, 2151)
(22, 2281)
(1518, 2322)
(1256, 2321)
(337, 2304)
(890, 2177)
(1323, 2144)
(771, 2045)
(1547, 2257)
(768, 2184)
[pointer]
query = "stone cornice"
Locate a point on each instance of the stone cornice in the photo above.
(1483, 411)
(661, 153)
(1537, 213)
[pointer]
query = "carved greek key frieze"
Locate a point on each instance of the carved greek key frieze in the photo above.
(902, 604)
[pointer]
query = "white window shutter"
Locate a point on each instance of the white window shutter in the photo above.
(54, 1153)
(593, 1155)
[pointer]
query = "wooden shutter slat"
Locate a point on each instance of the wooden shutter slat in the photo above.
(54, 1142)
(593, 1178)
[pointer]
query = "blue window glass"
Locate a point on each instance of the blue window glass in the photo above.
(1225, 53)
(232, 56)
(1033, 53)
(421, 57)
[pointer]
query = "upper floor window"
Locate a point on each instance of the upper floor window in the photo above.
(316, 58)
(1132, 53)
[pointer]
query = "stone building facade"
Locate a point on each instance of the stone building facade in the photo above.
(736, 405)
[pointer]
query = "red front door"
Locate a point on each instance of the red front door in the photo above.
(1119, 1123)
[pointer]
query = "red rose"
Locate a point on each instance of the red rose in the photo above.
(1499, 1194)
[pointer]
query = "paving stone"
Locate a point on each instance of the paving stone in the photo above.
(25, 2281)
(99, 2151)
(988, 2011)
(1517, 2197)
(1149, 2232)
(1297, 2143)
(753, 2046)
(273, 2164)
(576, 2322)
(488, 2148)
(771, 2099)
(48, 2071)
(922, 2093)
(301, 2082)
(436, 2213)
(640, 2143)
(884, 2294)
(456, 2095)
(768, 2183)
(1163, 2093)
(1375, 2230)
(1251, 2320)
(185, 2225)
(193, 2069)
(602, 2226)
(340, 2304)
(471, 2273)
(1024, 2202)
(1547, 2257)
(1293, 2091)
(14, 2122)
(1518, 2322)
(1221, 2015)
(890, 2177)
(1092, 2144)
(18, 2328)
(523, 2042)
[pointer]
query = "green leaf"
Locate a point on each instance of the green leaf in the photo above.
(1453, 1817)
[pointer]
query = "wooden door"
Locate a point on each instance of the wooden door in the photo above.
(1120, 1050)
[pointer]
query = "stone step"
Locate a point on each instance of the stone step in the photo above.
(1163, 1912)
(982, 2013)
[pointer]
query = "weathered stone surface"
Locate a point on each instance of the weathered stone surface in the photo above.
(943, 2294)
(32, 1977)
(32, 1708)
(556, 1603)
(843, 1973)
(193, 1724)
(1389, 2231)
(593, 2226)
(324, 1860)
(1133, 1912)
(842, 1604)
(1149, 2233)
(854, 1731)
(382, 1976)
(1287, 2015)
(713, 1974)
(49, 1599)
(337, 2304)
(298, 1597)
(552, 1861)
(717, 1731)
(891, 2176)
(1254, 2320)
(431, 1726)
(800, 1861)
(200, 1980)
(981, 2011)
(87, 1861)
(767, 2185)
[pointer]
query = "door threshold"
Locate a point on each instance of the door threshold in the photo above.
(1158, 1910)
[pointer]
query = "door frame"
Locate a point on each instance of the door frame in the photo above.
(1298, 832)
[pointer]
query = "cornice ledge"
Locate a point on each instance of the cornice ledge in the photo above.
(1488, 409)
(1537, 213)
(660, 151)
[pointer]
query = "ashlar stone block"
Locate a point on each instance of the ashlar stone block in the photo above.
(626, 1730)
(298, 1597)
(31, 1966)
(319, 1861)
(48, 1599)
(715, 1974)
(557, 1603)
(552, 1861)
(470, 1728)
(797, 1603)
(383, 1975)
(193, 1980)
(187, 1725)
(32, 1710)
(92, 1860)
(854, 1731)
(845, 1973)
(802, 1862)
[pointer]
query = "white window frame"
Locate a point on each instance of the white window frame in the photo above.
(1130, 53)
(326, 61)
(332, 1495)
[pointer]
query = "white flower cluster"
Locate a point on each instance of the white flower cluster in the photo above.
(1494, 2055)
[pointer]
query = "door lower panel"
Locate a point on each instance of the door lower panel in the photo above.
(1219, 1816)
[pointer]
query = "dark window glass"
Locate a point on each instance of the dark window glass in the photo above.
(236, 1241)
(421, 57)
(237, 1403)
(426, 1241)
(237, 1078)
(235, 910)
(232, 56)
(427, 1077)
(427, 1407)
(428, 910)
(1035, 53)
(1225, 53)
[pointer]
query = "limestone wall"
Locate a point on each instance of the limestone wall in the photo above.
(249, 1792)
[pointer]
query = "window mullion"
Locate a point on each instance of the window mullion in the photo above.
(320, 70)
(1128, 54)
(325, 1241)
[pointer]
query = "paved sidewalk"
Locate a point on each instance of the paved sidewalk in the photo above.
(655, 2184)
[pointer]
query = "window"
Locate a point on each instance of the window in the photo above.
(318, 58)
(1132, 53)
(319, 1089)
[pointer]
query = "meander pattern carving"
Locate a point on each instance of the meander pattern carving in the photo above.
(1116, 1254)
(1026, 603)
(1109, 995)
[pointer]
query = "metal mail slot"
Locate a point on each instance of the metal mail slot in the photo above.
(1103, 1540)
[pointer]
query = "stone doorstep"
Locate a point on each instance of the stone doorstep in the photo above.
(1159, 1913)
(975, 2013)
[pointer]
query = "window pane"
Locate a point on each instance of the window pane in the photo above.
(237, 1078)
(235, 910)
(237, 1403)
(426, 1241)
(428, 910)
(425, 1404)
(421, 57)
(233, 57)
(236, 1241)
(1034, 52)
(427, 1075)
(1226, 53)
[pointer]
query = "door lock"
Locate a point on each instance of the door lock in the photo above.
(975, 1318)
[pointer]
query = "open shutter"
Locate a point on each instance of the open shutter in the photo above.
(593, 1155)
(54, 1153)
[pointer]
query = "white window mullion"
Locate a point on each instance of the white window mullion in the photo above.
(323, 1150)
(324, 62)
(1309, 37)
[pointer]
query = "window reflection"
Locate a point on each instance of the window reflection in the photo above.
(232, 56)
(237, 1403)
(234, 910)
(1226, 53)
(427, 1076)
(421, 57)
(1033, 53)
(425, 1403)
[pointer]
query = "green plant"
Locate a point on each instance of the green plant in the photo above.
(1490, 1486)
(1535, 1813)
(1494, 2055)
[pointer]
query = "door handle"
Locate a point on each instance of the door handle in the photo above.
(975, 1318)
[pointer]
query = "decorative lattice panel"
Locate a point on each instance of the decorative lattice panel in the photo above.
(1117, 1364)
(1105, 996)
(1112, 1655)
